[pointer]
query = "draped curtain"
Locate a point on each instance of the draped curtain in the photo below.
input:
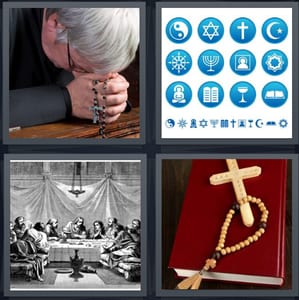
(51, 199)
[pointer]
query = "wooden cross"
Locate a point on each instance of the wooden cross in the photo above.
(236, 176)
(95, 109)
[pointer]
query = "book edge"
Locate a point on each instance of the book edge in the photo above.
(232, 277)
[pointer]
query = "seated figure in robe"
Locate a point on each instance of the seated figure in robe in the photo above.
(126, 245)
(111, 228)
(12, 235)
(30, 249)
(97, 231)
(19, 227)
(75, 229)
(51, 230)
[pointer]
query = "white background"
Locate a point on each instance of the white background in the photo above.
(226, 78)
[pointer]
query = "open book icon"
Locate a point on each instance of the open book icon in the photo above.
(275, 94)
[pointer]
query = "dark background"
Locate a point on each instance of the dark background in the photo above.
(151, 148)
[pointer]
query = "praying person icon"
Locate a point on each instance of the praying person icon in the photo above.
(193, 124)
(178, 94)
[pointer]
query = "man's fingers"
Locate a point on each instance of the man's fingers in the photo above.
(112, 100)
(110, 90)
(111, 93)
(115, 87)
(99, 77)
(115, 110)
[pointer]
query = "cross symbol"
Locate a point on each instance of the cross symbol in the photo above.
(236, 176)
(95, 110)
(242, 27)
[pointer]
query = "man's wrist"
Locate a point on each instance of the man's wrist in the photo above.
(67, 100)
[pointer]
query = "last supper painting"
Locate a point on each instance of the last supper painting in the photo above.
(74, 225)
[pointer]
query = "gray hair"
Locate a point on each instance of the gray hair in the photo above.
(107, 37)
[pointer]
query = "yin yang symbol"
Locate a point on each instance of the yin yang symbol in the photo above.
(178, 30)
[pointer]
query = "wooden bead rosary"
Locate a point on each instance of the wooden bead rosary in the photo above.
(236, 176)
(194, 281)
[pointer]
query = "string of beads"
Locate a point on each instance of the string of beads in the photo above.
(221, 250)
(99, 112)
(261, 228)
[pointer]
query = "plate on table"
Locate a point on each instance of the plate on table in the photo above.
(64, 270)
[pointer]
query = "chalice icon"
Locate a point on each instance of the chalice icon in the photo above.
(242, 90)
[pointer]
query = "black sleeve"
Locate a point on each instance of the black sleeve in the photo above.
(128, 106)
(37, 88)
(38, 105)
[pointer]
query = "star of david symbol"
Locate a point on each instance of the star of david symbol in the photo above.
(203, 123)
(210, 33)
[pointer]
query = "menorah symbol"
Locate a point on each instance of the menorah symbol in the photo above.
(214, 122)
(210, 61)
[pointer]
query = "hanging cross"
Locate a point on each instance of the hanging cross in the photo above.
(236, 176)
(95, 110)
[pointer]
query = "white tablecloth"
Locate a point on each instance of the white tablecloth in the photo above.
(89, 250)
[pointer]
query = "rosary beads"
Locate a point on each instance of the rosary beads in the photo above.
(99, 113)
(221, 250)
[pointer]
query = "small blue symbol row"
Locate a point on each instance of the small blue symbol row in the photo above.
(242, 30)
(225, 123)
(211, 94)
(211, 62)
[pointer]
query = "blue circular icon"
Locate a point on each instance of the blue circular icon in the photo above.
(274, 94)
(242, 62)
(274, 62)
(169, 123)
(210, 30)
(242, 94)
(242, 30)
(178, 62)
(210, 94)
(178, 30)
(179, 94)
(275, 30)
(210, 62)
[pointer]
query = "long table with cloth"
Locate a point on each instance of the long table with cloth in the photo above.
(95, 251)
(89, 250)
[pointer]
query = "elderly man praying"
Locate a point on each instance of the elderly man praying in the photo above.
(65, 62)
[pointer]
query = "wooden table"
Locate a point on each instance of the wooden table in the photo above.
(127, 126)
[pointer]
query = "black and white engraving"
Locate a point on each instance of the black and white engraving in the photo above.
(75, 225)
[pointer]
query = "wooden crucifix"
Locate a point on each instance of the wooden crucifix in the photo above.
(236, 176)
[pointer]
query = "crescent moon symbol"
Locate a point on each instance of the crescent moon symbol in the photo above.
(259, 123)
(268, 31)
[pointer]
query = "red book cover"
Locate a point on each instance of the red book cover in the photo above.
(203, 212)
